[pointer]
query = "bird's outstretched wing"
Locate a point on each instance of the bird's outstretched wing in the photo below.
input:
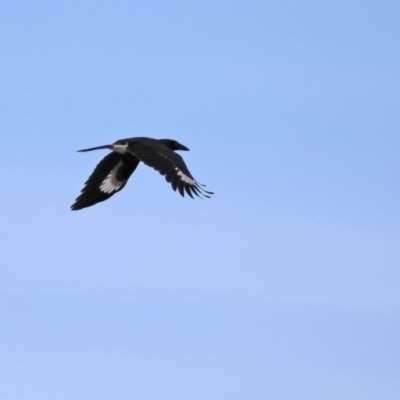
(108, 178)
(171, 165)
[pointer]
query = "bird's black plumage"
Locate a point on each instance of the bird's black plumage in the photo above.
(114, 170)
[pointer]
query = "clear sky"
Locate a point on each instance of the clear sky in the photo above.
(285, 285)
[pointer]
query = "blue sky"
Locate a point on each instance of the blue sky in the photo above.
(285, 284)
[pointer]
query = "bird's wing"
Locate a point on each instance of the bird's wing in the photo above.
(171, 165)
(108, 178)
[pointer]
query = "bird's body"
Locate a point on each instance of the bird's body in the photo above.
(114, 170)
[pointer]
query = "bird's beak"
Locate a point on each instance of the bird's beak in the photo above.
(107, 146)
(182, 147)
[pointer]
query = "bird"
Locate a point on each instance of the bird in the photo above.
(113, 171)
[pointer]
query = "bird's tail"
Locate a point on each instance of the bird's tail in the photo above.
(107, 146)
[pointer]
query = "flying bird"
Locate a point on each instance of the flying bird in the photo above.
(113, 171)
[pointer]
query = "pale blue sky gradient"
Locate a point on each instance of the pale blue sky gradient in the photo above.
(285, 285)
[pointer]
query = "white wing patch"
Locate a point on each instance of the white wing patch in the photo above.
(185, 178)
(110, 184)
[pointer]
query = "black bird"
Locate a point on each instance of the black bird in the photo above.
(113, 171)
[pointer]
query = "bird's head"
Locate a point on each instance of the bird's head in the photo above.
(173, 144)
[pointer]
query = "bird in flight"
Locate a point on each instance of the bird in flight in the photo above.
(113, 171)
